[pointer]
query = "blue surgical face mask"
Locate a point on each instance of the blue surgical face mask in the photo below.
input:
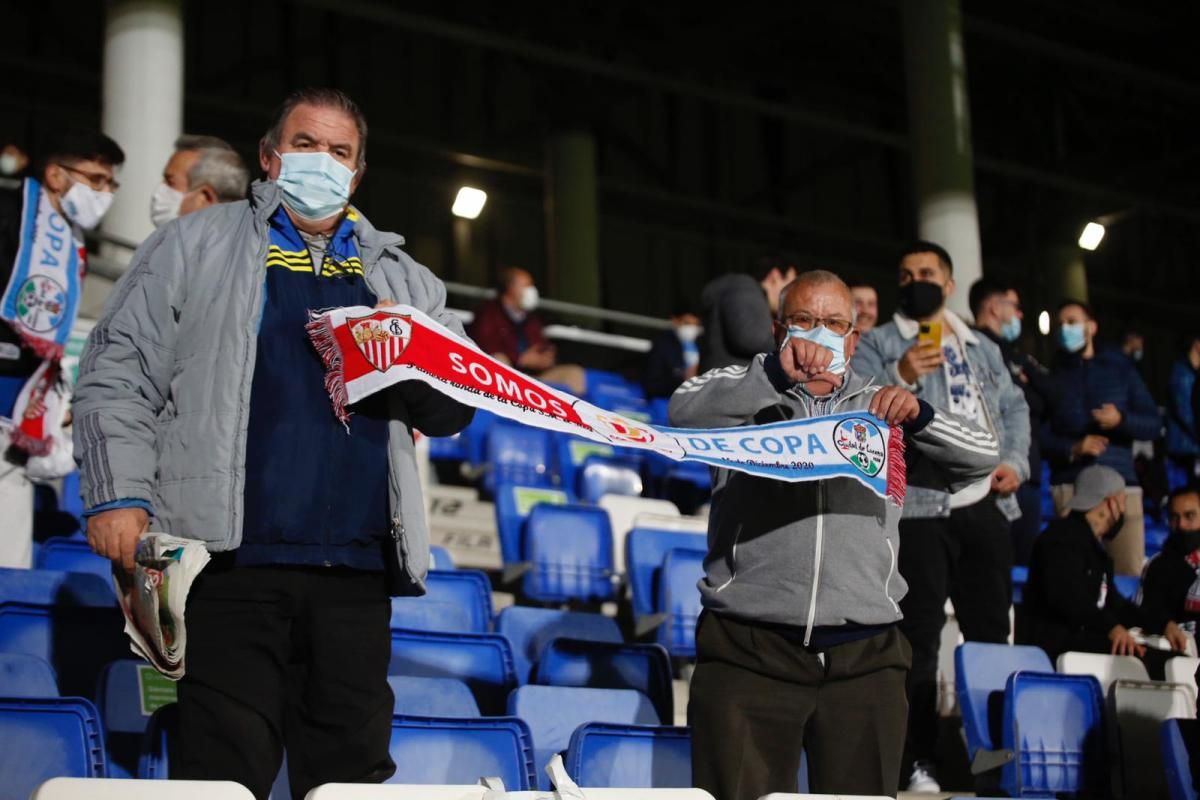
(315, 186)
(1071, 337)
(1010, 329)
(824, 337)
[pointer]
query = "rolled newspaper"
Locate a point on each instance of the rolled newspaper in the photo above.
(154, 600)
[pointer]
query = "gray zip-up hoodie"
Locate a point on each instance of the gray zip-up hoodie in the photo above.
(162, 404)
(819, 553)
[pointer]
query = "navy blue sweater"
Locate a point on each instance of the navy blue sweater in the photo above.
(1082, 385)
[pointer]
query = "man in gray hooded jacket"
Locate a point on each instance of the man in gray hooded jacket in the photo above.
(798, 648)
(201, 404)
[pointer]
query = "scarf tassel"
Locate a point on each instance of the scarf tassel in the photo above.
(320, 331)
(897, 477)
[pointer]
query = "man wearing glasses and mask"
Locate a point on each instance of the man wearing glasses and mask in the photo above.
(41, 268)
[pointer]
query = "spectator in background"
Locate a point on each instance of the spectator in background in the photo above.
(1133, 345)
(782, 667)
(508, 328)
(1101, 407)
(1183, 433)
(1071, 601)
(1170, 591)
(955, 545)
(997, 312)
(737, 310)
(13, 161)
(866, 305)
(76, 179)
(674, 356)
(203, 171)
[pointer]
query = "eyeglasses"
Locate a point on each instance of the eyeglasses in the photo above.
(97, 180)
(806, 322)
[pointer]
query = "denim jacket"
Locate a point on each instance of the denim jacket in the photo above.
(877, 356)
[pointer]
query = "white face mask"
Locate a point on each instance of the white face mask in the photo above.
(688, 333)
(84, 206)
(8, 164)
(164, 204)
(529, 298)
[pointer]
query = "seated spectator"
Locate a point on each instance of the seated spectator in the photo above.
(1133, 345)
(1183, 435)
(738, 310)
(202, 172)
(866, 305)
(1071, 602)
(13, 161)
(674, 356)
(508, 328)
(1171, 582)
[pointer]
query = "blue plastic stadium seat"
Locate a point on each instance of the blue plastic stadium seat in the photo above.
(645, 549)
(77, 641)
(519, 454)
(1177, 758)
(570, 550)
(677, 588)
(529, 630)
(600, 476)
(23, 675)
(1128, 585)
(48, 738)
(630, 756)
(432, 697)
(483, 661)
(691, 472)
(70, 499)
(658, 410)
(513, 504)
(602, 383)
(610, 665)
(154, 761)
(571, 452)
(430, 750)
(53, 587)
(554, 712)
(1020, 577)
(981, 674)
(440, 558)
(1156, 536)
(1054, 726)
(456, 601)
(72, 555)
(128, 693)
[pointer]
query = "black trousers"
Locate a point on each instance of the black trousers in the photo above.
(759, 699)
(1029, 525)
(285, 657)
(968, 558)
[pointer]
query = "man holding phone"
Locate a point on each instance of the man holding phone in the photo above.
(958, 544)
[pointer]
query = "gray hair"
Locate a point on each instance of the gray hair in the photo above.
(815, 277)
(321, 98)
(223, 170)
(196, 141)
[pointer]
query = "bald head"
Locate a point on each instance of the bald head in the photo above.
(832, 291)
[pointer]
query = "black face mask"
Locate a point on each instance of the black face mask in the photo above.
(1189, 539)
(1112, 532)
(920, 298)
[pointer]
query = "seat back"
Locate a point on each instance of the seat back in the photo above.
(440, 558)
(1177, 757)
(1103, 667)
(645, 549)
(432, 697)
(77, 641)
(981, 673)
(55, 587)
(128, 693)
(1054, 725)
(601, 475)
(48, 738)
(529, 630)
(154, 762)
(554, 712)
(519, 454)
(481, 660)
(572, 452)
(1127, 585)
(677, 587)
(72, 555)
(125, 789)
(623, 512)
(610, 665)
(23, 675)
(570, 549)
(455, 601)
(1139, 708)
(513, 504)
(1182, 669)
(630, 756)
(1020, 577)
(436, 750)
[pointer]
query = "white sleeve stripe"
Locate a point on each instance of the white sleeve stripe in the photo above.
(955, 424)
(986, 448)
(954, 434)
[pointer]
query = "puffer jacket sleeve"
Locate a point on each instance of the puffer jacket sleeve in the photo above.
(125, 374)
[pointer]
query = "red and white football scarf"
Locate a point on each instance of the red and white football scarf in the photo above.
(40, 410)
(1192, 601)
(366, 350)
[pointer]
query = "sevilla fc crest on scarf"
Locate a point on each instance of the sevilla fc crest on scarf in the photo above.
(382, 338)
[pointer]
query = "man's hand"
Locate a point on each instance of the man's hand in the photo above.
(114, 534)
(895, 405)
(1177, 637)
(1107, 416)
(1123, 643)
(537, 358)
(1005, 480)
(1090, 445)
(921, 359)
(803, 360)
